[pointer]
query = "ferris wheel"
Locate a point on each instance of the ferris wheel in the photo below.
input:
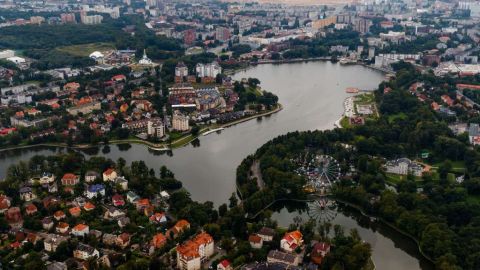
(322, 210)
(327, 171)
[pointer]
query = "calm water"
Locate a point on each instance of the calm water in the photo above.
(312, 95)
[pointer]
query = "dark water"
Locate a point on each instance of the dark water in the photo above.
(390, 248)
(312, 95)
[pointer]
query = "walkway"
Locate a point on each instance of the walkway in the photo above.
(257, 173)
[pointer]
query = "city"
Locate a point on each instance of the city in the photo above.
(337, 134)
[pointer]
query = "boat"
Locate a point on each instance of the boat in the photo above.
(352, 90)
(347, 61)
(212, 131)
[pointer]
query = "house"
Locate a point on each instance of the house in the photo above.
(159, 240)
(132, 197)
(14, 217)
(118, 200)
(91, 176)
(95, 190)
(31, 209)
(291, 240)
(109, 239)
(255, 241)
(158, 218)
(46, 178)
(224, 265)
(75, 211)
(109, 175)
(114, 213)
(123, 221)
(123, 240)
(62, 227)
(84, 252)
(80, 230)
(70, 179)
(266, 234)
(89, 206)
(142, 204)
(319, 251)
(58, 215)
(474, 134)
(276, 256)
(112, 260)
(47, 223)
(191, 253)
(5, 203)
(52, 241)
(121, 182)
(26, 194)
(57, 266)
(404, 166)
(178, 228)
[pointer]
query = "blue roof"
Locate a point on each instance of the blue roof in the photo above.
(96, 188)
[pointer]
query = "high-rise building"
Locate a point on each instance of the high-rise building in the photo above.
(180, 122)
(68, 18)
(189, 36)
(222, 34)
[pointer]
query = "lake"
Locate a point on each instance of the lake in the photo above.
(312, 96)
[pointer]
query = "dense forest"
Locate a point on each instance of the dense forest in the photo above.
(439, 212)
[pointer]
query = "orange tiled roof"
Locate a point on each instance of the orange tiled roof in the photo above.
(75, 210)
(159, 240)
(89, 206)
(190, 248)
(109, 171)
(80, 227)
(69, 176)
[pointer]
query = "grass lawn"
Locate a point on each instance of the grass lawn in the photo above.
(394, 117)
(345, 123)
(365, 99)
(397, 178)
(86, 49)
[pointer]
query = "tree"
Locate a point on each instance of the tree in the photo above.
(233, 200)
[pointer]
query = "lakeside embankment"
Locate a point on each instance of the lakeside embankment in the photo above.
(180, 142)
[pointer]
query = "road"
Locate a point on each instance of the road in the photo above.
(257, 173)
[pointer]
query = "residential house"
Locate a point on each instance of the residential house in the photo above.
(80, 230)
(266, 234)
(291, 240)
(158, 218)
(59, 215)
(47, 223)
(255, 241)
(123, 240)
(84, 252)
(62, 227)
(123, 221)
(14, 217)
(46, 178)
(91, 176)
(95, 190)
(114, 213)
(109, 239)
(132, 197)
(52, 241)
(276, 256)
(70, 179)
(121, 182)
(31, 209)
(192, 253)
(178, 228)
(404, 166)
(75, 211)
(224, 265)
(159, 240)
(89, 206)
(319, 251)
(5, 203)
(118, 200)
(109, 175)
(26, 194)
(474, 134)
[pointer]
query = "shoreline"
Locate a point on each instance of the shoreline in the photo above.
(151, 145)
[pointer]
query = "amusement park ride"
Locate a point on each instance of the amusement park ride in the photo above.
(321, 172)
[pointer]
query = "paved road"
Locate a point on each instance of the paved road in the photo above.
(257, 173)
